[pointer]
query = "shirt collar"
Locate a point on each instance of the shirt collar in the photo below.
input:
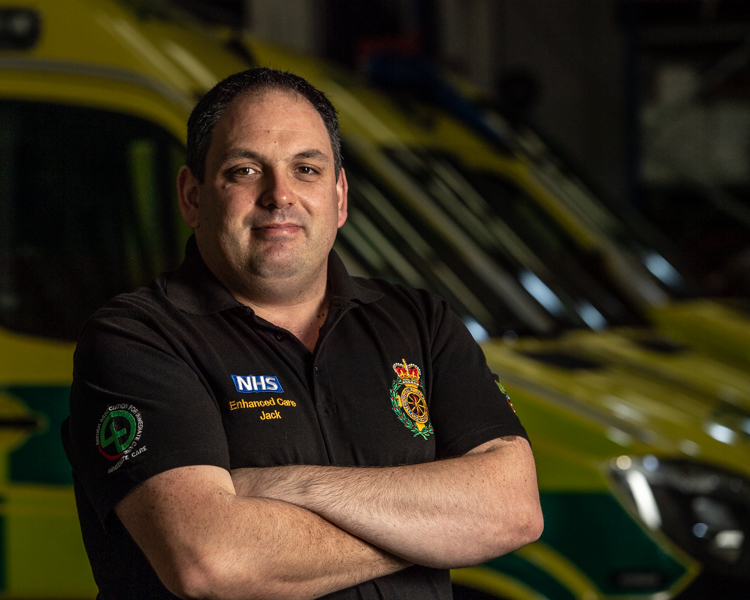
(194, 289)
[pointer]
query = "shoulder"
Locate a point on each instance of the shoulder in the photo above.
(144, 317)
(146, 305)
(412, 308)
(396, 294)
(410, 299)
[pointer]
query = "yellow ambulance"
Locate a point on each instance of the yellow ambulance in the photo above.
(94, 96)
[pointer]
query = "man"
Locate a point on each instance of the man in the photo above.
(266, 426)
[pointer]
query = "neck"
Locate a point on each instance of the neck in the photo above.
(301, 309)
(303, 319)
(297, 302)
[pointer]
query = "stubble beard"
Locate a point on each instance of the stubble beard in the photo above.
(279, 269)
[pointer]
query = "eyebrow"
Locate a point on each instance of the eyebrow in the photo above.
(316, 154)
(245, 153)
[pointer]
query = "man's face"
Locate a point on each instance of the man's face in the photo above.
(270, 205)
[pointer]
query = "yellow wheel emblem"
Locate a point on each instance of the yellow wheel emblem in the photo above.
(414, 405)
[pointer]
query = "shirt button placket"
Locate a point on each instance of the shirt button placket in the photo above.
(323, 405)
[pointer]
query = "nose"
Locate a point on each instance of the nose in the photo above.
(278, 192)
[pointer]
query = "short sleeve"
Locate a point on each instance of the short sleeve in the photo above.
(468, 406)
(137, 408)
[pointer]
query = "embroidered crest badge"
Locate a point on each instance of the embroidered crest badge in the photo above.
(408, 400)
(502, 389)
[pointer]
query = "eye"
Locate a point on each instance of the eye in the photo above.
(307, 170)
(243, 171)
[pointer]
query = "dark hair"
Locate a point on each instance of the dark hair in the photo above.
(210, 107)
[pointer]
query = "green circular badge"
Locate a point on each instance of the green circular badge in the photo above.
(116, 433)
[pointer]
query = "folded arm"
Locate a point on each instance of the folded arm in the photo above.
(444, 514)
(205, 541)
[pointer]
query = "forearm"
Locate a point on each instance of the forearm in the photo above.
(450, 513)
(241, 548)
(296, 554)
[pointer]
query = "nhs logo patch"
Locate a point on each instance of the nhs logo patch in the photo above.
(257, 383)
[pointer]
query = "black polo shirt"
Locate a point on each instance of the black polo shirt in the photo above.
(180, 373)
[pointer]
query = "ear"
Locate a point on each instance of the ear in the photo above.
(342, 191)
(188, 196)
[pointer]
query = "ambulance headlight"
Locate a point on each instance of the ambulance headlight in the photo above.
(19, 28)
(703, 509)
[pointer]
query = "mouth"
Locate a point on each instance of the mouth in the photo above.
(278, 229)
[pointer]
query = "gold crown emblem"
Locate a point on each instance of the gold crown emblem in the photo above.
(409, 374)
